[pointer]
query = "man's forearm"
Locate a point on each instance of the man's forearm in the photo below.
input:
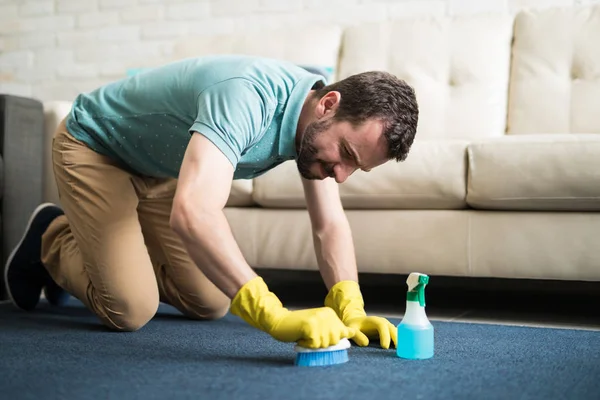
(211, 245)
(334, 248)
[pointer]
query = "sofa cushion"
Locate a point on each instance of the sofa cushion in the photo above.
(293, 44)
(459, 67)
(433, 176)
(535, 172)
(554, 79)
(240, 194)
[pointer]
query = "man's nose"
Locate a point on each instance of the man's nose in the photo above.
(342, 172)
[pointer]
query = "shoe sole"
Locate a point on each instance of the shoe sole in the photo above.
(18, 246)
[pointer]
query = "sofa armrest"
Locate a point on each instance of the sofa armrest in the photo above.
(21, 149)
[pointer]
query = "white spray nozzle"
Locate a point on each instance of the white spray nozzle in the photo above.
(416, 287)
(414, 280)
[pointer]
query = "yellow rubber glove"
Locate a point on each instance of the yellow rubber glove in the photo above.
(310, 328)
(346, 300)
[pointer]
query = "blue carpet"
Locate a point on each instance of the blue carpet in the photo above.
(65, 354)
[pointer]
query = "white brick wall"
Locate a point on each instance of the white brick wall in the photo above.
(31, 8)
(53, 49)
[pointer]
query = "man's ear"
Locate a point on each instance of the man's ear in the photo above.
(328, 104)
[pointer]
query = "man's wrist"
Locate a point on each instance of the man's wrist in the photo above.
(346, 299)
(256, 304)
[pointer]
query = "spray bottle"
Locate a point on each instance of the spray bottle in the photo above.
(415, 332)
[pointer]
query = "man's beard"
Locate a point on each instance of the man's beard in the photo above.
(307, 153)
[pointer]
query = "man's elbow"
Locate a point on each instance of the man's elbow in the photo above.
(179, 219)
(183, 216)
(192, 221)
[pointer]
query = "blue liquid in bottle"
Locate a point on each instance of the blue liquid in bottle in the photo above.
(415, 342)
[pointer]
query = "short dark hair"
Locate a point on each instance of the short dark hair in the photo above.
(379, 95)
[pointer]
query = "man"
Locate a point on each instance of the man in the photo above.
(144, 167)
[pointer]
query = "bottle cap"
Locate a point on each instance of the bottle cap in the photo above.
(416, 287)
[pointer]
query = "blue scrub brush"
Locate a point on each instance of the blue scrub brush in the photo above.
(332, 355)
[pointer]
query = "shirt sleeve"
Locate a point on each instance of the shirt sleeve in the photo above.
(231, 114)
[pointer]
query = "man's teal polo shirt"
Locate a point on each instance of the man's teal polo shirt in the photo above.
(247, 106)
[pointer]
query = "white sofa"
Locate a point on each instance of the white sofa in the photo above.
(504, 177)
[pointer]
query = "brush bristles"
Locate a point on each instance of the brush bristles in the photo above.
(321, 358)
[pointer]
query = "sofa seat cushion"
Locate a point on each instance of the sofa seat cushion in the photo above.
(432, 177)
(535, 172)
(240, 194)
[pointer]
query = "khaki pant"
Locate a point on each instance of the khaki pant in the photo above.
(114, 249)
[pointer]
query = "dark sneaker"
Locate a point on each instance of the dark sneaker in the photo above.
(24, 274)
(56, 295)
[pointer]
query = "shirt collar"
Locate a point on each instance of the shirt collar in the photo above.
(291, 114)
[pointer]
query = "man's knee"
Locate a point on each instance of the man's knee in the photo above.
(215, 308)
(219, 310)
(132, 313)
